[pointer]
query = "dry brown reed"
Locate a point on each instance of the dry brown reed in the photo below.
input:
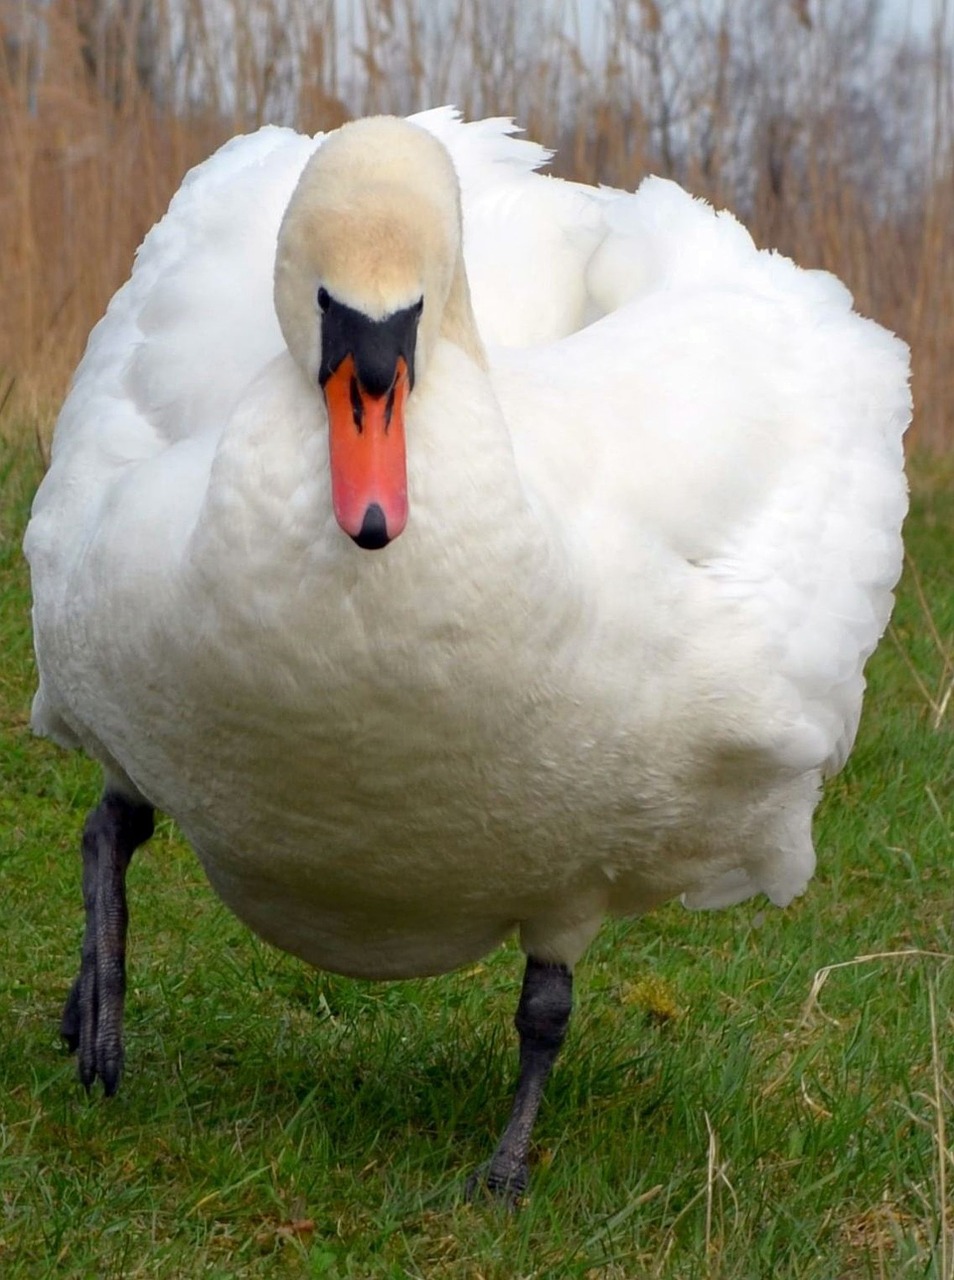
(831, 134)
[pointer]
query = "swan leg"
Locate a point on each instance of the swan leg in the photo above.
(541, 1021)
(92, 1023)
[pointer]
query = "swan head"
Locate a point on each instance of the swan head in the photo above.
(368, 257)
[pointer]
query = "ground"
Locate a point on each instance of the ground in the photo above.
(723, 1106)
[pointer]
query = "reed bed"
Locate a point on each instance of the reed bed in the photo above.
(827, 129)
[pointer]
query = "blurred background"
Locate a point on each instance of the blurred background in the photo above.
(826, 125)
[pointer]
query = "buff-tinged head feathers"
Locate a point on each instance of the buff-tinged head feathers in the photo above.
(375, 220)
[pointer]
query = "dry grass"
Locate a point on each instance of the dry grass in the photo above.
(799, 116)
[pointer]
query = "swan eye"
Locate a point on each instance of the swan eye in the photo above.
(324, 299)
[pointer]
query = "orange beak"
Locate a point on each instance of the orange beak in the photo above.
(368, 456)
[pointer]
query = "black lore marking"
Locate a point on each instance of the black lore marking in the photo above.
(374, 530)
(375, 345)
(357, 405)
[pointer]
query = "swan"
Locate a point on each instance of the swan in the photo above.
(455, 551)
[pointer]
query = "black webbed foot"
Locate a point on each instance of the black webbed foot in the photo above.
(542, 1017)
(92, 1022)
(505, 1188)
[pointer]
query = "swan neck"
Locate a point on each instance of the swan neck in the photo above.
(458, 324)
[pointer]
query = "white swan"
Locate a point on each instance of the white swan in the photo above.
(645, 549)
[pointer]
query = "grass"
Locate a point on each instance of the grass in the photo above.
(743, 1094)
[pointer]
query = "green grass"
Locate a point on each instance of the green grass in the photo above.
(707, 1117)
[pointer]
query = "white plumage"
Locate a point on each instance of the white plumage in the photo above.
(651, 543)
